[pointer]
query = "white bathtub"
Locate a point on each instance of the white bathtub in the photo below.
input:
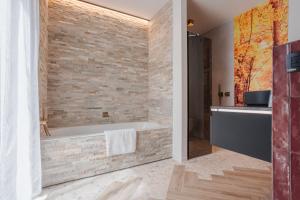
(78, 152)
(81, 131)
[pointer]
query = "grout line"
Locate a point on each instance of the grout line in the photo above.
(289, 130)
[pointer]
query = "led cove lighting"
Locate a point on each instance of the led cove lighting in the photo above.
(263, 112)
(84, 4)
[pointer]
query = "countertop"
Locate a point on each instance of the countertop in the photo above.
(242, 109)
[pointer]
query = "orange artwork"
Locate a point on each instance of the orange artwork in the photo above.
(256, 32)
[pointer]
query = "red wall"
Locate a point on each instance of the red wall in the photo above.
(286, 126)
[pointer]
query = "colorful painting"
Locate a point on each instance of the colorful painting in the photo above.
(256, 32)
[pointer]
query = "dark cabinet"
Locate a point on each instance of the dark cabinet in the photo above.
(245, 133)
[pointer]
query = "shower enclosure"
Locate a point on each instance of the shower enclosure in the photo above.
(199, 95)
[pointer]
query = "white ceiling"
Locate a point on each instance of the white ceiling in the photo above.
(208, 14)
(145, 9)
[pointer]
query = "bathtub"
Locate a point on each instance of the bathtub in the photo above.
(77, 152)
(83, 131)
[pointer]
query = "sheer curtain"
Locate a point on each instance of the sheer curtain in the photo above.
(20, 162)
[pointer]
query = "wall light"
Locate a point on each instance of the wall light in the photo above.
(190, 23)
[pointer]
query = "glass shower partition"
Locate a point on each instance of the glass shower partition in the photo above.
(199, 94)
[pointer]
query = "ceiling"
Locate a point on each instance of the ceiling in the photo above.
(145, 9)
(208, 14)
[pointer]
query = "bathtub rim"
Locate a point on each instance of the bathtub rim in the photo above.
(50, 138)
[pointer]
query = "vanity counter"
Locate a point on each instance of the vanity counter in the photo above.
(246, 130)
(242, 109)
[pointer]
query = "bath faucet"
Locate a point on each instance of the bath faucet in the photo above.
(105, 115)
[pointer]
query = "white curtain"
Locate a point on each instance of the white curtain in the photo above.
(20, 162)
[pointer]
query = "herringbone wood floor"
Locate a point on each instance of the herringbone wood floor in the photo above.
(239, 184)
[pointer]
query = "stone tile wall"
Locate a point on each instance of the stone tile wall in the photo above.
(43, 55)
(67, 159)
(286, 126)
(160, 66)
(97, 62)
(94, 61)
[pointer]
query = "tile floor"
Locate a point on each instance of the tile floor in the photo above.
(154, 177)
(198, 147)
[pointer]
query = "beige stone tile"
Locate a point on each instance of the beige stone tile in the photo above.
(155, 176)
